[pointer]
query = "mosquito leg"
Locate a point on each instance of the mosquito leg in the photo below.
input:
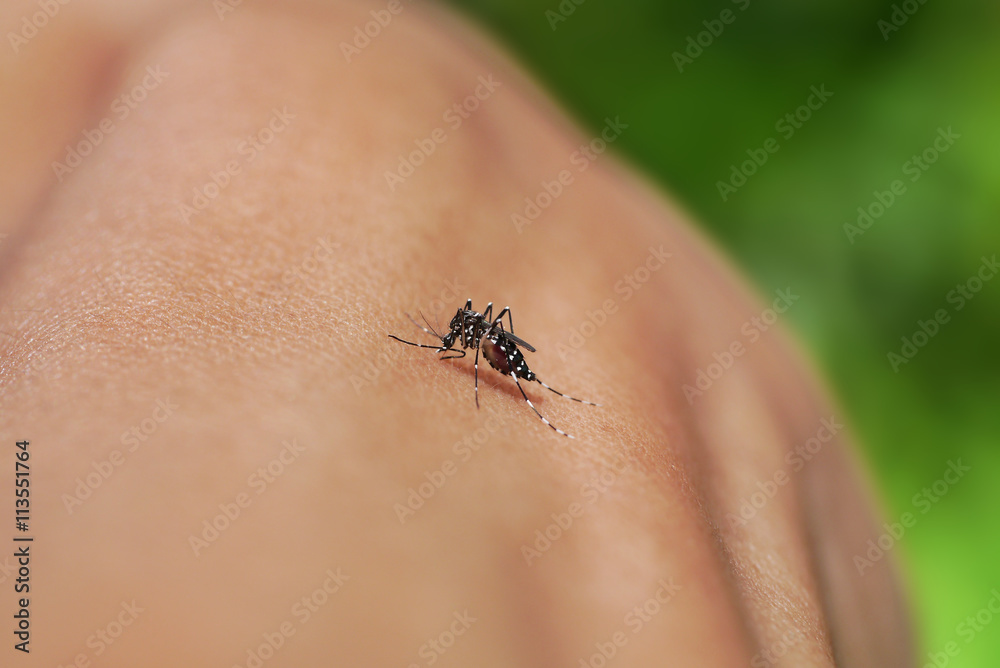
(589, 403)
(510, 321)
(510, 334)
(487, 314)
(418, 345)
(510, 364)
(477, 377)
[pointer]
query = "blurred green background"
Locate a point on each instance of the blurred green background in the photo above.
(892, 91)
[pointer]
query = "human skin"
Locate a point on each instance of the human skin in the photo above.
(255, 321)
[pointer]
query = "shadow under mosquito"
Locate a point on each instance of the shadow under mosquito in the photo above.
(491, 379)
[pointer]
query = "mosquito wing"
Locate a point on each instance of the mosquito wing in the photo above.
(521, 342)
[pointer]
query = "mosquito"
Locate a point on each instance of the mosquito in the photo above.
(500, 346)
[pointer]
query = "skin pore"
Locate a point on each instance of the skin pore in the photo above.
(202, 304)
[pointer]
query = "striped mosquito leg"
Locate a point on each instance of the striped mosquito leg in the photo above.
(510, 320)
(513, 375)
(417, 345)
(477, 377)
(582, 401)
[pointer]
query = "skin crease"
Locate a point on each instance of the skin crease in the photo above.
(259, 321)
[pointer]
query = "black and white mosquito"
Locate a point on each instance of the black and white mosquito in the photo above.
(500, 346)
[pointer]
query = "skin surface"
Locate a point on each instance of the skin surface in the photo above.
(260, 320)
